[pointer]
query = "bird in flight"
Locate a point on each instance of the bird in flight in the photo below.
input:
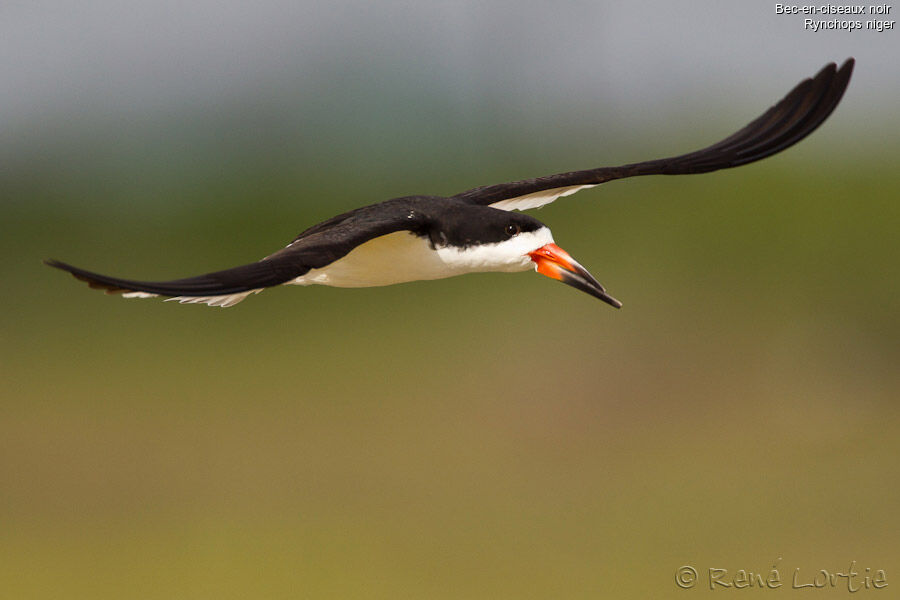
(432, 237)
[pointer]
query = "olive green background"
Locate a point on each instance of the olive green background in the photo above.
(488, 436)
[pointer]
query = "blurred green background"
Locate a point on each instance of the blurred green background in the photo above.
(490, 436)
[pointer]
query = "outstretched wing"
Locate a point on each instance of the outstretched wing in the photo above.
(316, 247)
(796, 116)
(220, 288)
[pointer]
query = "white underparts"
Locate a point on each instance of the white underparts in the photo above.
(403, 256)
(397, 258)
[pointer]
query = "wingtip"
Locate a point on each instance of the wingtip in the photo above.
(831, 70)
(838, 73)
(81, 275)
(846, 70)
(58, 264)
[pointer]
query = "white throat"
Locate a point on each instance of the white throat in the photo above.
(508, 256)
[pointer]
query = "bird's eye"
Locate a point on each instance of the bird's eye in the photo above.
(512, 229)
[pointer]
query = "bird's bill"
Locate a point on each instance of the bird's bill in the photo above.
(555, 263)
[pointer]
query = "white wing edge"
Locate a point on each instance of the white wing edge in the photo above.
(222, 301)
(539, 199)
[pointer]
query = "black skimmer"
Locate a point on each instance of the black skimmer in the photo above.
(432, 237)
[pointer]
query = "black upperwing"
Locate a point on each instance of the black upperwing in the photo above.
(219, 283)
(796, 116)
(316, 247)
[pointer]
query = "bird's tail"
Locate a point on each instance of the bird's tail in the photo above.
(221, 288)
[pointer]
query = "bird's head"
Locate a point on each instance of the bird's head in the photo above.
(489, 239)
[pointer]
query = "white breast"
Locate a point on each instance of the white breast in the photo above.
(403, 256)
